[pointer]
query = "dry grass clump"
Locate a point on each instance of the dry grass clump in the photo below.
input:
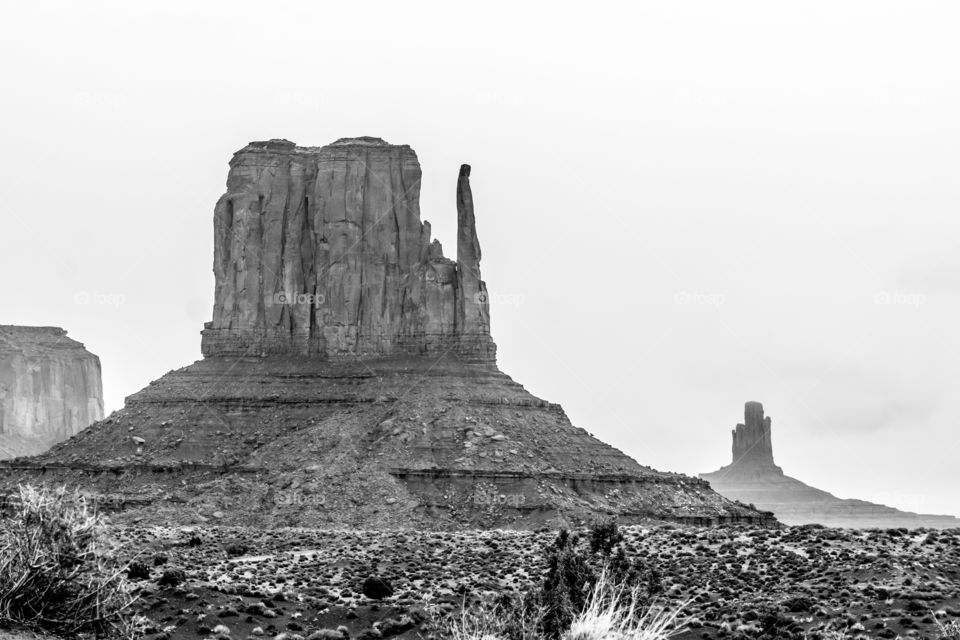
(489, 621)
(614, 613)
(949, 631)
(56, 572)
(591, 591)
(610, 613)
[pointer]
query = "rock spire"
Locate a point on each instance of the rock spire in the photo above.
(752, 445)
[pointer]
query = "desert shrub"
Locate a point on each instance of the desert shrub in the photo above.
(916, 606)
(881, 593)
(56, 570)
(608, 614)
(501, 619)
(235, 549)
(138, 571)
(567, 585)
(377, 588)
(775, 625)
(172, 578)
(949, 631)
(591, 589)
(641, 580)
(799, 604)
(604, 536)
(573, 575)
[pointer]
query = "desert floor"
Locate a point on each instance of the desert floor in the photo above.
(873, 583)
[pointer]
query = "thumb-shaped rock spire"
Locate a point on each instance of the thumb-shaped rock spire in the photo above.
(473, 314)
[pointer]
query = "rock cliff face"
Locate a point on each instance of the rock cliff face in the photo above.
(752, 445)
(50, 389)
(321, 252)
(753, 478)
(349, 378)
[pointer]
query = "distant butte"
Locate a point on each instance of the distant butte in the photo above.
(50, 389)
(752, 477)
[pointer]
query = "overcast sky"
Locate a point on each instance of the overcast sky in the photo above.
(682, 205)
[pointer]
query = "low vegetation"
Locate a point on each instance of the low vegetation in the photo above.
(949, 630)
(57, 572)
(730, 583)
(591, 591)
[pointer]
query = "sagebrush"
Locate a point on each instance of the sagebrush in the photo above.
(57, 570)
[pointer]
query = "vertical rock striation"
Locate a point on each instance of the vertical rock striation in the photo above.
(752, 445)
(320, 251)
(50, 389)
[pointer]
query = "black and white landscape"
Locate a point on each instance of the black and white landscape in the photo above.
(421, 321)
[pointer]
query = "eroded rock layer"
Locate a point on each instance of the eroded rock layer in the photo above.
(753, 478)
(349, 378)
(405, 441)
(50, 389)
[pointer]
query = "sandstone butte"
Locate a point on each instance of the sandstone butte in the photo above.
(753, 478)
(349, 378)
(50, 389)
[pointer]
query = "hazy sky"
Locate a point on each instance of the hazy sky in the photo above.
(682, 205)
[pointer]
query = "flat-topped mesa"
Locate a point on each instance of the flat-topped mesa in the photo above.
(320, 252)
(752, 445)
(50, 388)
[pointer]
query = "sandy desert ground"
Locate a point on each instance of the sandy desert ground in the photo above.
(874, 583)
